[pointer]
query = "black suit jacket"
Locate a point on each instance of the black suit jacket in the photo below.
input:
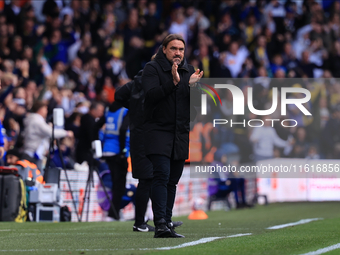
(167, 108)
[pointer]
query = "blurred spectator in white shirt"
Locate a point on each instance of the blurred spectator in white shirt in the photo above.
(264, 139)
(179, 26)
(235, 58)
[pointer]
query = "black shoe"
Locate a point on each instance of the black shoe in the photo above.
(177, 223)
(172, 229)
(248, 205)
(239, 206)
(161, 229)
(143, 228)
(243, 205)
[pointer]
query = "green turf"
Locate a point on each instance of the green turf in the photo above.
(334, 252)
(118, 238)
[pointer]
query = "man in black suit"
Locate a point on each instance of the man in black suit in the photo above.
(165, 81)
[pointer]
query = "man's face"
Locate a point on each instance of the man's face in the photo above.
(11, 159)
(305, 56)
(56, 37)
(99, 111)
(152, 9)
(174, 51)
(43, 111)
(234, 48)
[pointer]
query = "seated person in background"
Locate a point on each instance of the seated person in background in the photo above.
(27, 170)
(66, 144)
(224, 182)
(217, 186)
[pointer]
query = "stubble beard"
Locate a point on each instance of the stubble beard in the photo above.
(176, 60)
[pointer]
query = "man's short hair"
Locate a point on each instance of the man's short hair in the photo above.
(172, 37)
(95, 104)
(14, 152)
(37, 106)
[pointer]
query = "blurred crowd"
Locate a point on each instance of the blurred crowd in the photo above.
(71, 53)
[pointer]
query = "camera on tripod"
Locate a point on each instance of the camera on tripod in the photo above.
(97, 149)
(58, 117)
(96, 153)
(44, 201)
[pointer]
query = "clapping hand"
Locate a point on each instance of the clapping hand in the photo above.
(175, 75)
(196, 76)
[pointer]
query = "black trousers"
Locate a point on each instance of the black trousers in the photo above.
(142, 198)
(118, 168)
(166, 174)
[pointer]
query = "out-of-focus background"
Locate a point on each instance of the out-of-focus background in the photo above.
(70, 53)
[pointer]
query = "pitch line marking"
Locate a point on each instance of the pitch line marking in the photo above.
(200, 241)
(304, 221)
(324, 250)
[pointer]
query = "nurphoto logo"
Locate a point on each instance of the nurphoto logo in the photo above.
(239, 104)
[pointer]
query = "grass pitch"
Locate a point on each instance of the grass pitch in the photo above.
(118, 237)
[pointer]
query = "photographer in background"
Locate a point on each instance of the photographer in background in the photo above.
(37, 133)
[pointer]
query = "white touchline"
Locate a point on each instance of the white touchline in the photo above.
(324, 250)
(200, 241)
(304, 221)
